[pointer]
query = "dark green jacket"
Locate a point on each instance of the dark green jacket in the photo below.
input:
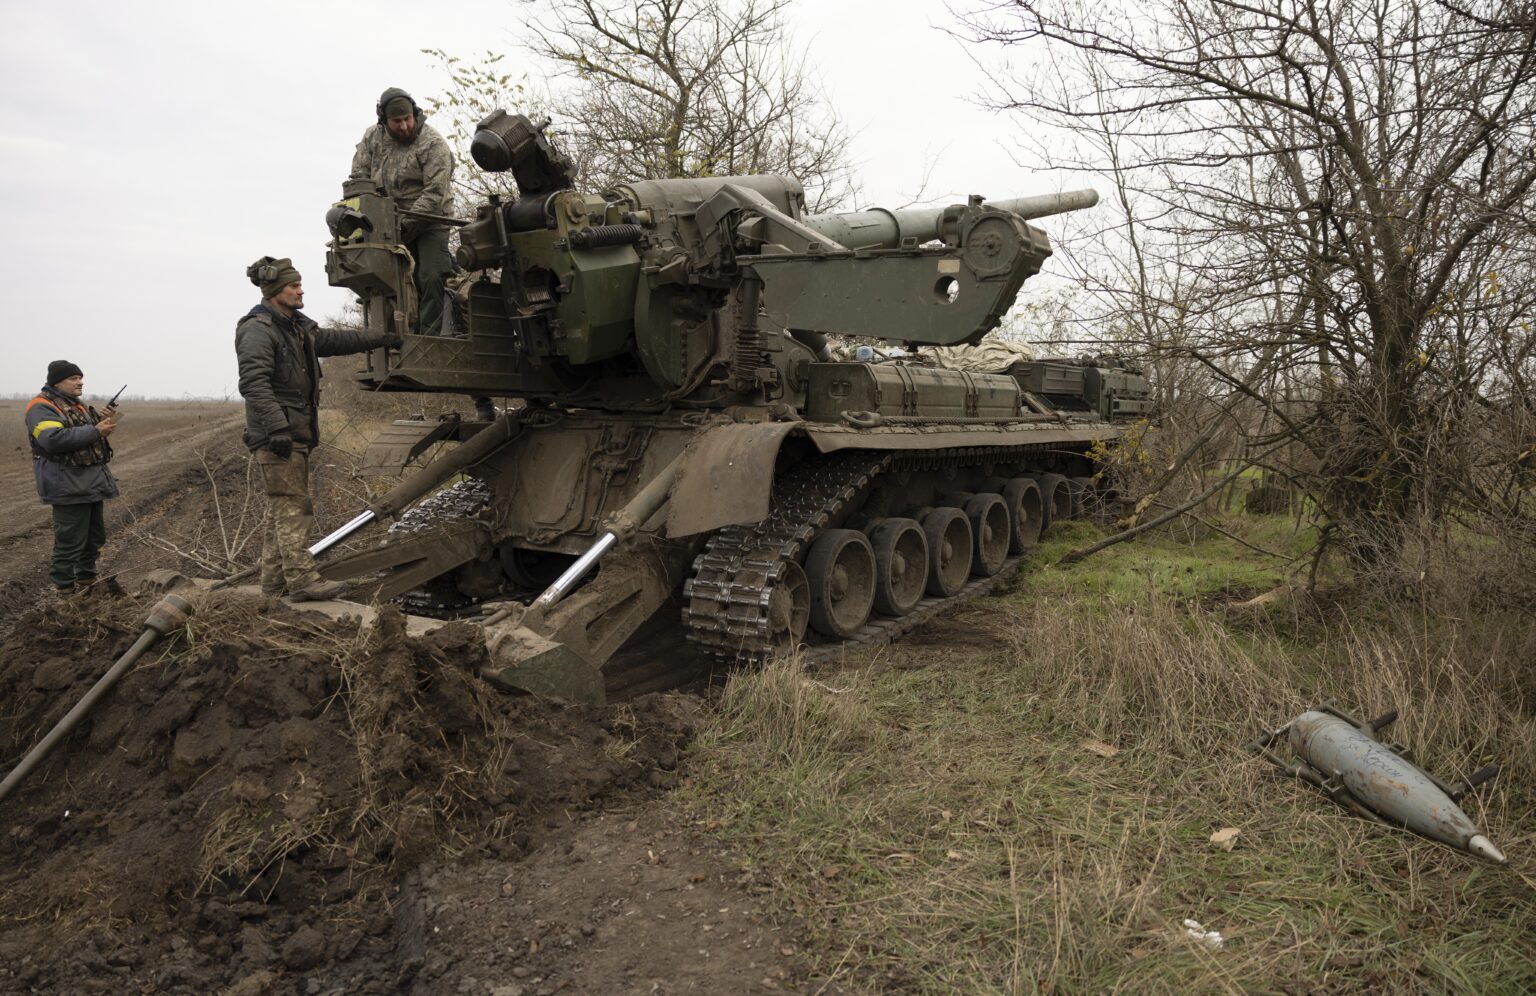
(280, 372)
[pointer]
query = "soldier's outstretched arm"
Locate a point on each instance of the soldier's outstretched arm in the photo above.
(340, 342)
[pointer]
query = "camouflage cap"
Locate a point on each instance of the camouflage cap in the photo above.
(272, 275)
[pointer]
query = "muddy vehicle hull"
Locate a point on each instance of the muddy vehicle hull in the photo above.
(737, 558)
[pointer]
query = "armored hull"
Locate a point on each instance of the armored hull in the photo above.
(776, 533)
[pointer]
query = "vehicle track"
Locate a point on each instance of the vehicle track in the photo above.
(728, 600)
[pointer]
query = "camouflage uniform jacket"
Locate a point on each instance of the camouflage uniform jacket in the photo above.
(280, 372)
(418, 176)
(69, 454)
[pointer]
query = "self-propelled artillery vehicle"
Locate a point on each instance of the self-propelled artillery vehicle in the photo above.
(682, 445)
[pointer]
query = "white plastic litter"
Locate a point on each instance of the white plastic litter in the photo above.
(1210, 938)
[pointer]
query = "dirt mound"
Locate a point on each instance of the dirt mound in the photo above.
(245, 804)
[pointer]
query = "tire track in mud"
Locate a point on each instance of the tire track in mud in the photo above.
(152, 469)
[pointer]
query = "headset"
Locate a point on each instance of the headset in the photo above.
(386, 97)
(263, 271)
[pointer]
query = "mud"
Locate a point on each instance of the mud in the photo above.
(624, 902)
(277, 804)
(251, 807)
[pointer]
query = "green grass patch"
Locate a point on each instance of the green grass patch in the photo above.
(1181, 563)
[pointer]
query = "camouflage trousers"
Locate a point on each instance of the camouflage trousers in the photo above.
(288, 521)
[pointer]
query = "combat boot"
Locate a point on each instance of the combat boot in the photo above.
(319, 591)
(107, 585)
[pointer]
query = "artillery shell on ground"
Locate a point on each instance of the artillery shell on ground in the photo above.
(1378, 780)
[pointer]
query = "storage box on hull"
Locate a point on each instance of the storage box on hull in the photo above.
(909, 390)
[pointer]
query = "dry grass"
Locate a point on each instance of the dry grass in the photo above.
(944, 816)
(416, 782)
(411, 789)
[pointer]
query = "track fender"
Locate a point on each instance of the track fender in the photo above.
(832, 438)
(726, 477)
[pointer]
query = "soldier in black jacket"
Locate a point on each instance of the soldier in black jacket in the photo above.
(279, 348)
(69, 459)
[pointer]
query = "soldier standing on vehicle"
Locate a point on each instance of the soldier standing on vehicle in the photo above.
(414, 165)
(278, 348)
(70, 453)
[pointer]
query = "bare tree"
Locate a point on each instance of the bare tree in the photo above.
(681, 88)
(1337, 191)
(476, 87)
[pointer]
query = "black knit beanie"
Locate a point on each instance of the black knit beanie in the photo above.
(62, 370)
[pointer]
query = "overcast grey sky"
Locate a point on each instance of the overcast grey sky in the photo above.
(152, 150)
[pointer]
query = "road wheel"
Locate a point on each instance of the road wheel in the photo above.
(990, 532)
(1022, 496)
(949, 550)
(840, 569)
(1055, 499)
(789, 608)
(901, 565)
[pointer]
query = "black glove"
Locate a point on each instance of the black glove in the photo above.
(394, 340)
(281, 446)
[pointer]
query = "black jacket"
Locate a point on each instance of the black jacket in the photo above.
(69, 453)
(280, 372)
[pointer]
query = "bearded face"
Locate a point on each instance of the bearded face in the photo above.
(403, 128)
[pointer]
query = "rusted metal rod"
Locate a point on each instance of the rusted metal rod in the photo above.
(628, 520)
(168, 615)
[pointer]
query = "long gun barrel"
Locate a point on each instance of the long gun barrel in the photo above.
(879, 228)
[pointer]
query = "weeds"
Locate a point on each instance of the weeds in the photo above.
(934, 814)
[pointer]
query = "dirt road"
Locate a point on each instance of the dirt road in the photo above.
(161, 448)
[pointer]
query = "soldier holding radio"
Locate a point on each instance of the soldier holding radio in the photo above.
(70, 454)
